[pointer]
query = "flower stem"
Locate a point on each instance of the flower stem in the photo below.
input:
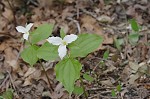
(51, 88)
(85, 94)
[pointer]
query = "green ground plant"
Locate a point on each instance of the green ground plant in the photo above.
(66, 49)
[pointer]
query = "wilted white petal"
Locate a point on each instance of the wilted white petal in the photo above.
(25, 36)
(129, 27)
(62, 50)
(55, 40)
(70, 38)
(28, 27)
(21, 29)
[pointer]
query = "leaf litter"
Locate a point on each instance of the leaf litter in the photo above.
(129, 66)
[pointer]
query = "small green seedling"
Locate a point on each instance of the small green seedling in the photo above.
(115, 91)
(8, 94)
(78, 90)
(118, 43)
(88, 77)
(134, 35)
(106, 55)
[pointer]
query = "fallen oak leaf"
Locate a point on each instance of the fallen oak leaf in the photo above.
(30, 71)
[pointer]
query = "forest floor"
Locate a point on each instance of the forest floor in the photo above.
(121, 70)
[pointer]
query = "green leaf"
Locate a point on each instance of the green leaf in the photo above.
(29, 55)
(106, 55)
(119, 87)
(85, 44)
(8, 94)
(78, 90)
(134, 25)
(47, 52)
(41, 33)
(67, 72)
(1, 97)
(62, 33)
(113, 93)
(88, 77)
(118, 43)
(133, 38)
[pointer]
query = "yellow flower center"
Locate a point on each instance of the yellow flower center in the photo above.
(27, 33)
(65, 43)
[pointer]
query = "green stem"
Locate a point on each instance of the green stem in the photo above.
(51, 88)
(85, 94)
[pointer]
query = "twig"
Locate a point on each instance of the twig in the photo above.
(101, 88)
(2, 5)
(11, 80)
(4, 81)
(77, 6)
(85, 94)
(77, 24)
(126, 40)
(22, 44)
(48, 79)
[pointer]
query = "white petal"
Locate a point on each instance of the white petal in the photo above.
(25, 36)
(55, 40)
(70, 38)
(62, 50)
(28, 27)
(21, 29)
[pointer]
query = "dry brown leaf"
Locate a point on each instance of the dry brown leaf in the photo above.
(108, 40)
(37, 15)
(133, 71)
(27, 81)
(105, 19)
(30, 71)
(36, 74)
(66, 13)
(110, 69)
(2, 76)
(134, 67)
(58, 87)
(45, 3)
(131, 11)
(31, 74)
(46, 93)
(59, 92)
(141, 67)
(65, 27)
(8, 14)
(133, 78)
(69, 1)
(139, 18)
(107, 83)
(125, 73)
(9, 56)
(138, 6)
(90, 25)
(3, 23)
(13, 64)
(50, 73)
(3, 46)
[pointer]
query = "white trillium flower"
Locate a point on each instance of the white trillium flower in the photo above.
(62, 50)
(25, 30)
